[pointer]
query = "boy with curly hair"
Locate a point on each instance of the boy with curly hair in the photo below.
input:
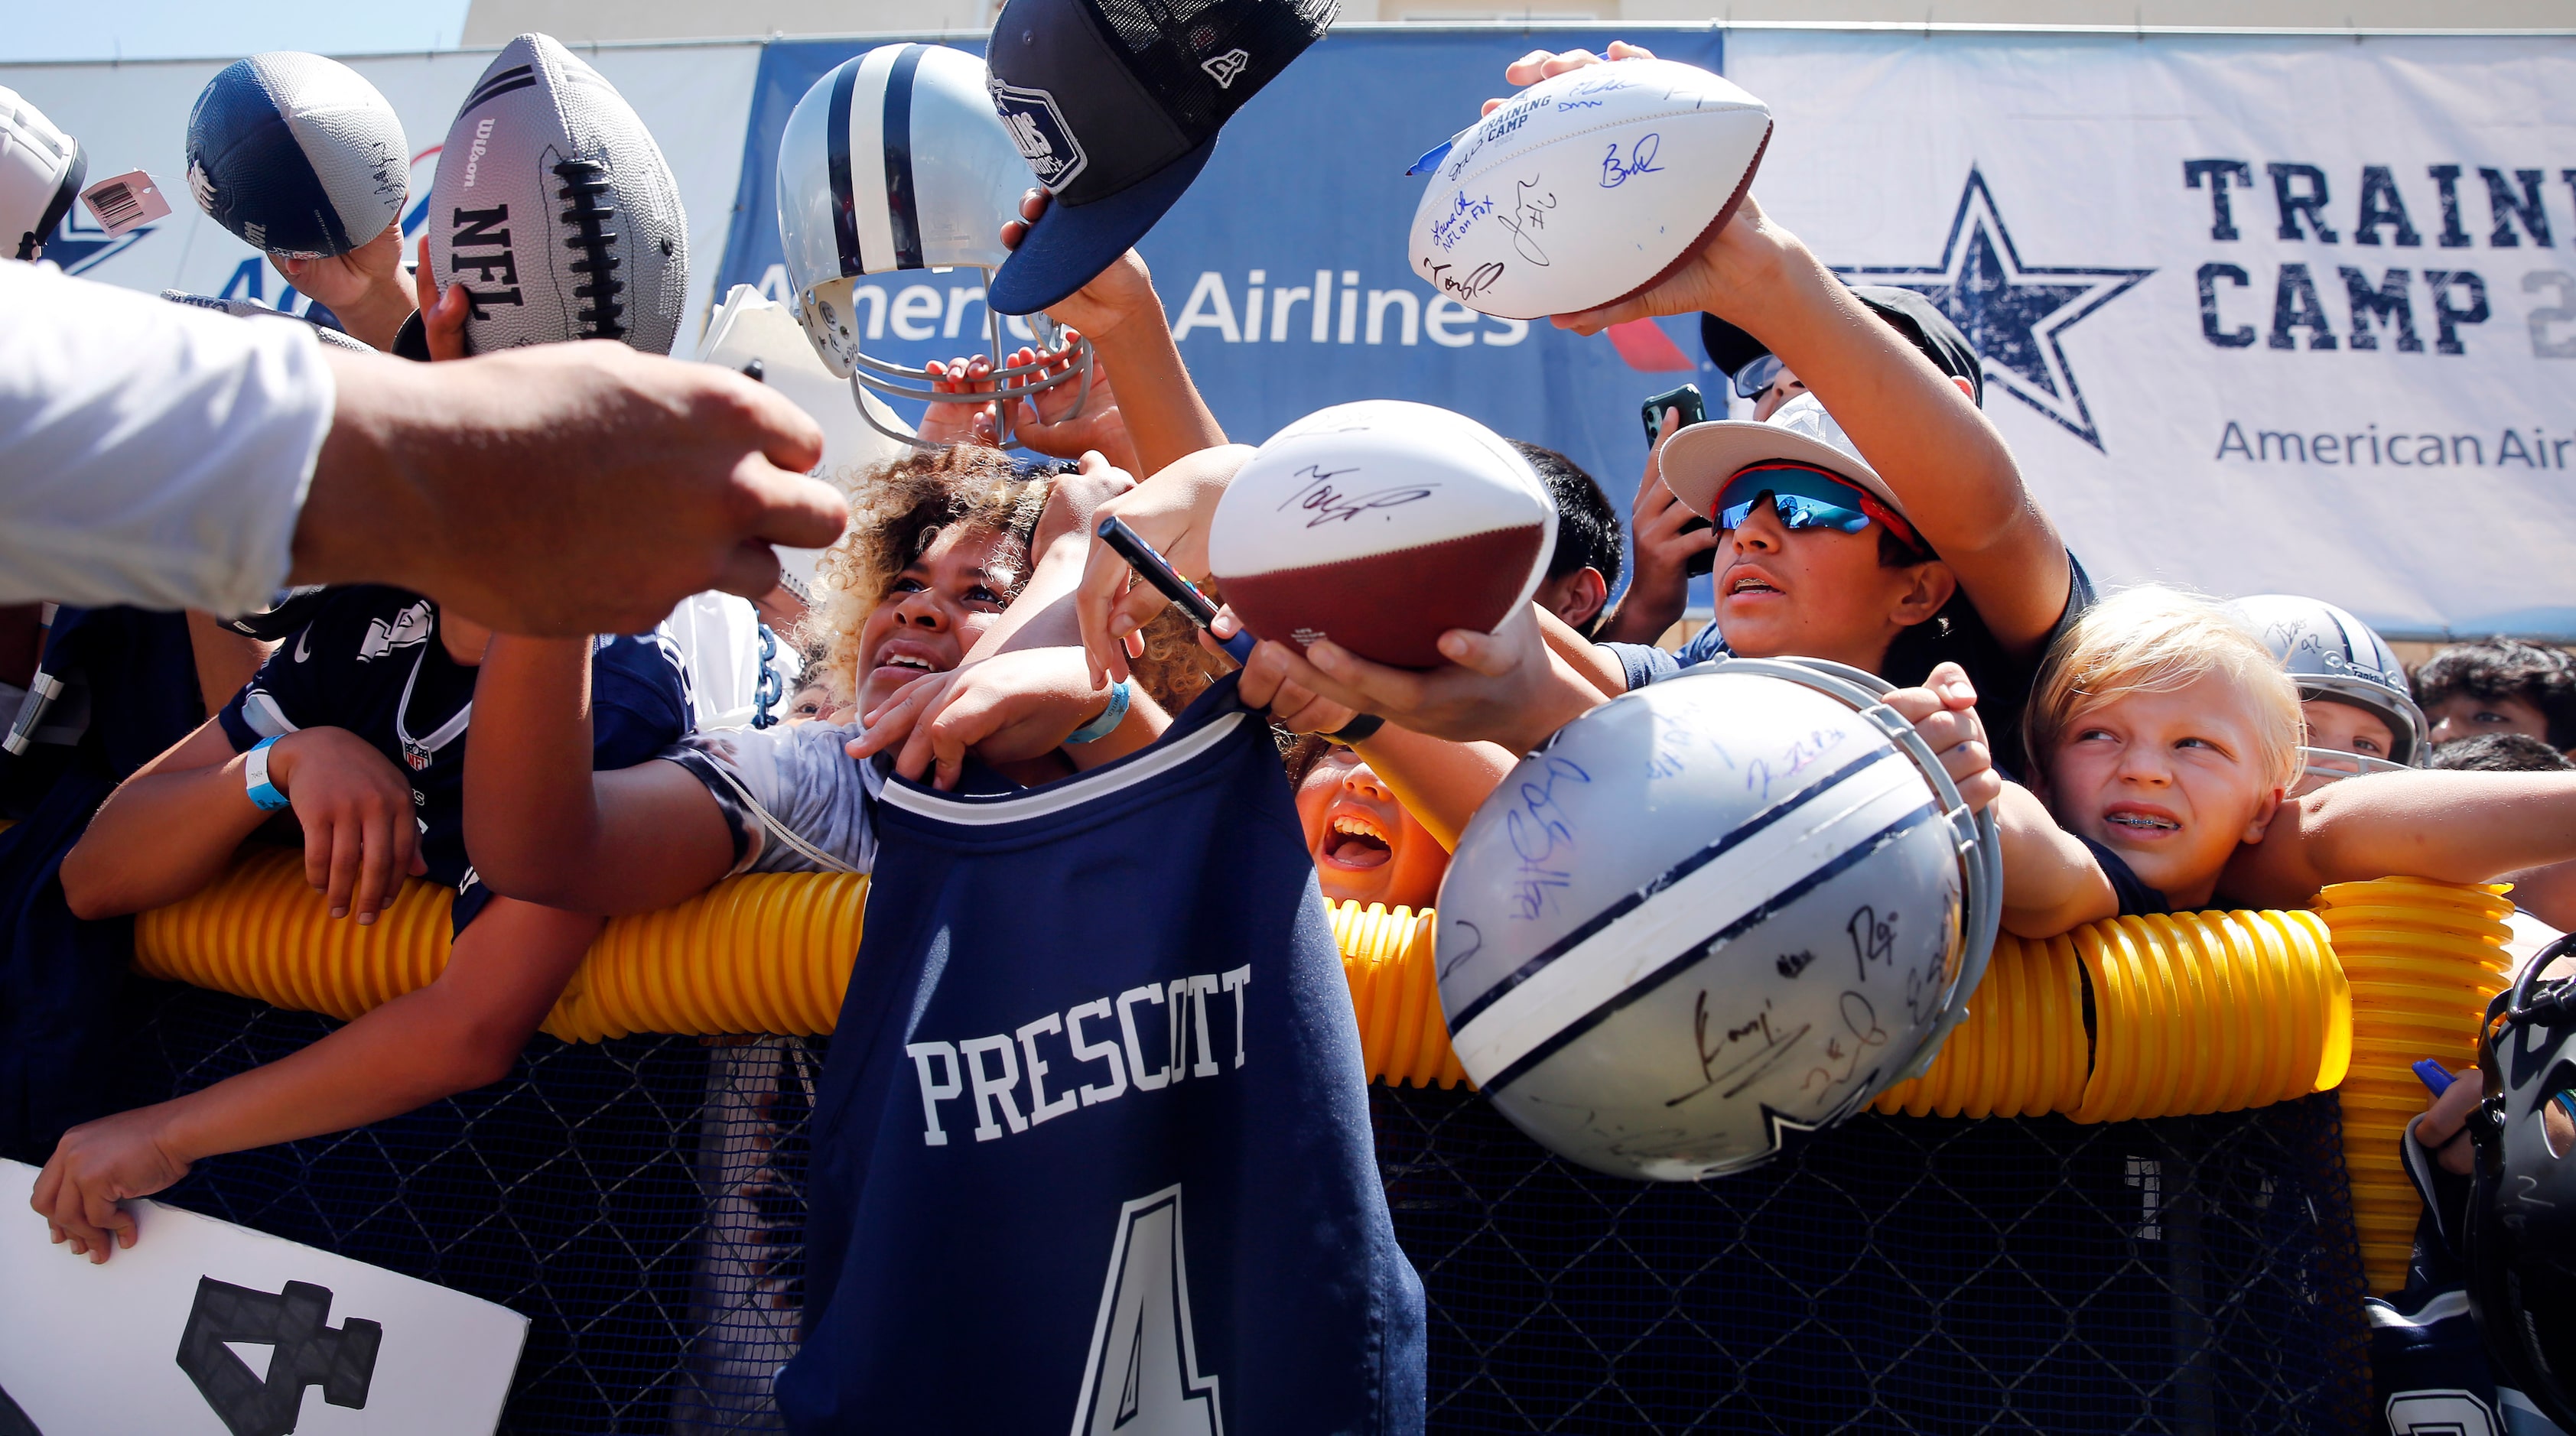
(2499, 685)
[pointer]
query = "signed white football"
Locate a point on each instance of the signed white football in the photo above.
(1381, 525)
(1586, 188)
(556, 209)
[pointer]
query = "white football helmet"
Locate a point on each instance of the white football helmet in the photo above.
(41, 169)
(896, 160)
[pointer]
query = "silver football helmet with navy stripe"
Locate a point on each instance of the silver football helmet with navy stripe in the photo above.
(896, 160)
(1736, 903)
(2331, 654)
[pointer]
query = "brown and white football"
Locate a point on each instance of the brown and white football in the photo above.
(556, 210)
(1381, 525)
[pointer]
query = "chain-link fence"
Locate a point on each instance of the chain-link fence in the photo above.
(642, 1202)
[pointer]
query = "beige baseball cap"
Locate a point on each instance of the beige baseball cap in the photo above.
(1699, 458)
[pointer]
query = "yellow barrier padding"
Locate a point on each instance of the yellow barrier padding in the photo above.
(2196, 1012)
(2022, 1052)
(2424, 959)
(765, 952)
(1396, 991)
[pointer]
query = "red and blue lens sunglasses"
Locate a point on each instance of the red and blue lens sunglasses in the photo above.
(1806, 498)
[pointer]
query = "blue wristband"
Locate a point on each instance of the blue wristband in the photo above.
(263, 793)
(1109, 719)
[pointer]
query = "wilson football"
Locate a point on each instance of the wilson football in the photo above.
(1586, 188)
(556, 210)
(1381, 525)
(297, 155)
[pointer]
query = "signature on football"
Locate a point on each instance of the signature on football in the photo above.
(1640, 160)
(1323, 503)
(1529, 214)
(1463, 214)
(1472, 284)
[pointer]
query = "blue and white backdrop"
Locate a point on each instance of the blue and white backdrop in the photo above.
(2258, 313)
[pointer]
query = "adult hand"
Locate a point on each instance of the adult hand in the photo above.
(442, 316)
(363, 288)
(1503, 687)
(1944, 712)
(1169, 511)
(1114, 296)
(1660, 588)
(360, 837)
(97, 1165)
(563, 489)
(2444, 1127)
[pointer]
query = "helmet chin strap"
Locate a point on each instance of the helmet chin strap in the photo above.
(898, 381)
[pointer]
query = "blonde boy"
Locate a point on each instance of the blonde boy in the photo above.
(2163, 737)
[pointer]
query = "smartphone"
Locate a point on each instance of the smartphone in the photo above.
(1686, 398)
(1694, 410)
(1149, 565)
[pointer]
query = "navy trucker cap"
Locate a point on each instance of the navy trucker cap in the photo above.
(1116, 105)
(1909, 312)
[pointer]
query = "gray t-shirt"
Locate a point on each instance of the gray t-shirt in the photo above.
(793, 800)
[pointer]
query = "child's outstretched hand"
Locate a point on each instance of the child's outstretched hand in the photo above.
(360, 836)
(1113, 296)
(969, 419)
(1064, 422)
(1944, 712)
(2443, 1130)
(1008, 708)
(95, 1166)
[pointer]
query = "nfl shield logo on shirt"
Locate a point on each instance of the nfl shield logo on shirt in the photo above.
(1037, 126)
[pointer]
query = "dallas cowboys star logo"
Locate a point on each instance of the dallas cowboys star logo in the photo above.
(2012, 312)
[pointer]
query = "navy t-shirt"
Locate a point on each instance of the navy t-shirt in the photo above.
(1957, 634)
(2136, 898)
(370, 661)
(1092, 1149)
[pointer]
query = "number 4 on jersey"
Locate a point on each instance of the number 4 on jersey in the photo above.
(1143, 1376)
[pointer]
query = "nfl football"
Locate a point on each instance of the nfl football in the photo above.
(1584, 189)
(556, 210)
(1381, 525)
(297, 155)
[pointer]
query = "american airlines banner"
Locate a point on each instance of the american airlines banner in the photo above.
(2257, 313)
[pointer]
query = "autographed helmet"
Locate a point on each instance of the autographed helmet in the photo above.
(2331, 654)
(896, 160)
(41, 169)
(2519, 1241)
(1741, 900)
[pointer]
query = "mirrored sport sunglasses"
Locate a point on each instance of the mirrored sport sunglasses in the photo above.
(1755, 377)
(1806, 498)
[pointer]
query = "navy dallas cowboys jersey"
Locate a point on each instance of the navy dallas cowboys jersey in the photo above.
(370, 662)
(1092, 1148)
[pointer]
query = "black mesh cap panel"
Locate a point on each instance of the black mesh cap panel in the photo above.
(1204, 58)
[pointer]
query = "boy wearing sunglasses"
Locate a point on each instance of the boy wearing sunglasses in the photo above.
(1817, 557)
